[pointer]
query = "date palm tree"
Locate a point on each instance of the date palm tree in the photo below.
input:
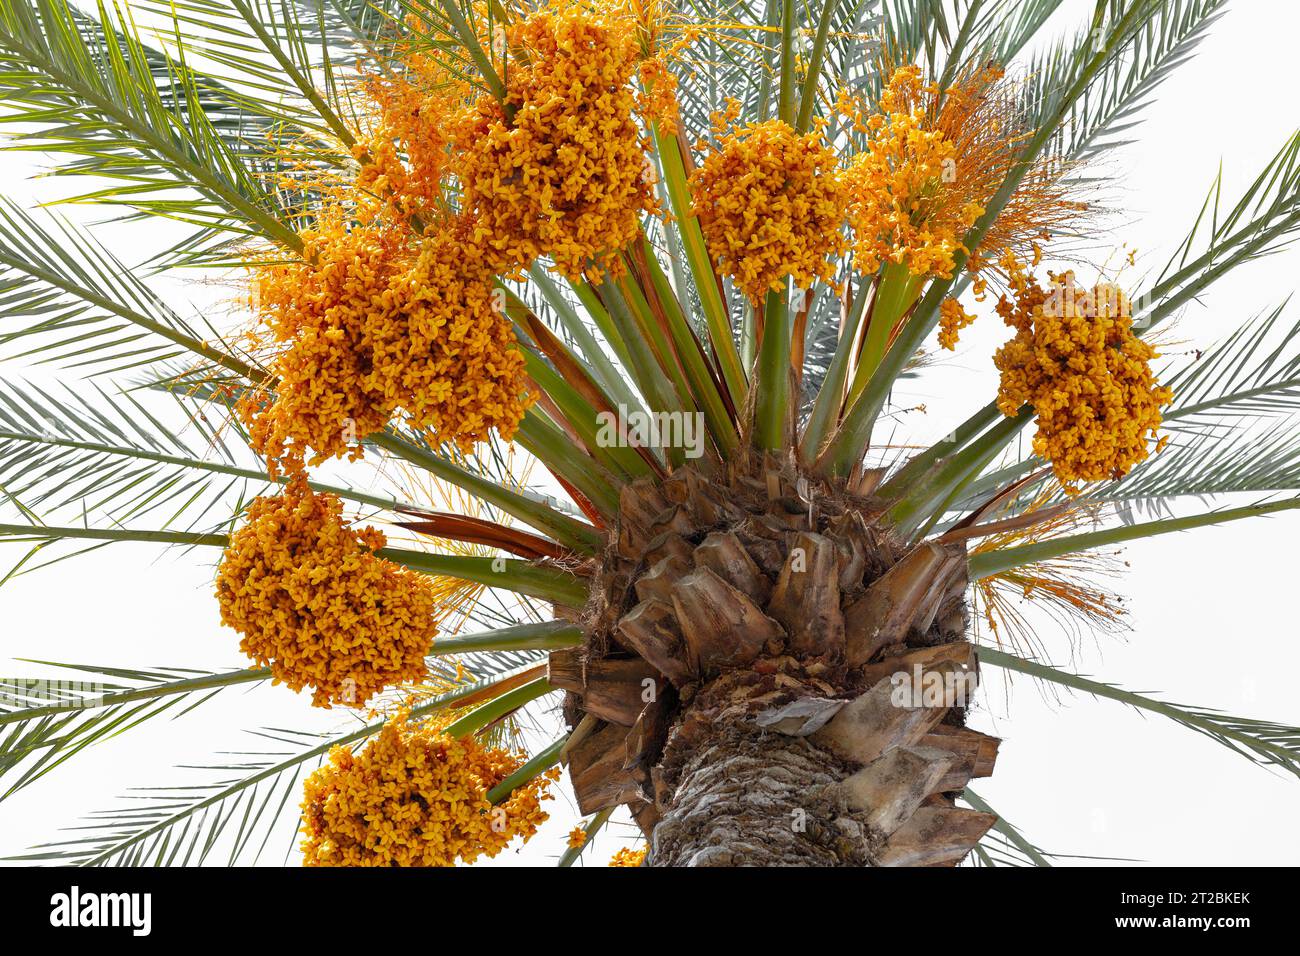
(602, 306)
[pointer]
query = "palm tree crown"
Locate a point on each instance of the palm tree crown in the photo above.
(558, 366)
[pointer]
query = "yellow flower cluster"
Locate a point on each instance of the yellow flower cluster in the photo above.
(377, 324)
(1075, 359)
(577, 837)
(626, 857)
(315, 603)
(659, 97)
(952, 319)
(558, 169)
(771, 203)
(415, 796)
(904, 206)
(405, 156)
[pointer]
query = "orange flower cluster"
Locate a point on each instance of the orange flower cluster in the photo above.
(377, 324)
(406, 155)
(1075, 359)
(559, 169)
(659, 97)
(626, 857)
(577, 837)
(952, 319)
(771, 203)
(415, 796)
(315, 603)
(905, 206)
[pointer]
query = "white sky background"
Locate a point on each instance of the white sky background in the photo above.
(1076, 776)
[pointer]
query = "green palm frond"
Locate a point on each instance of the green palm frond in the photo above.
(945, 34)
(348, 24)
(273, 56)
(1264, 742)
(44, 722)
(1241, 376)
(1014, 24)
(1263, 221)
(70, 302)
(94, 95)
(1210, 464)
(987, 563)
(537, 510)
(254, 798)
(1112, 106)
(117, 460)
(1004, 845)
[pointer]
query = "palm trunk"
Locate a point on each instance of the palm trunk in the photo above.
(750, 798)
(769, 679)
(818, 781)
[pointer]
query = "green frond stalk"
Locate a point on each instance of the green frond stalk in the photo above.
(701, 266)
(786, 100)
(546, 441)
(513, 574)
(1260, 741)
(772, 405)
(542, 636)
(534, 767)
(619, 460)
(591, 828)
(465, 33)
(989, 563)
(569, 531)
(523, 577)
(117, 697)
(1013, 836)
(497, 708)
(29, 532)
(813, 69)
(49, 724)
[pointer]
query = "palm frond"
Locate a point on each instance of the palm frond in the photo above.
(272, 56)
(1013, 24)
(1211, 463)
(988, 563)
(118, 460)
(252, 799)
(93, 92)
(1004, 845)
(69, 301)
(44, 722)
(1112, 105)
(1264, 742)
(1240, 376)
(1264, 220)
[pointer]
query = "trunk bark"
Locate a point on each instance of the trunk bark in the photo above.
(748, 797)
(816, 781)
